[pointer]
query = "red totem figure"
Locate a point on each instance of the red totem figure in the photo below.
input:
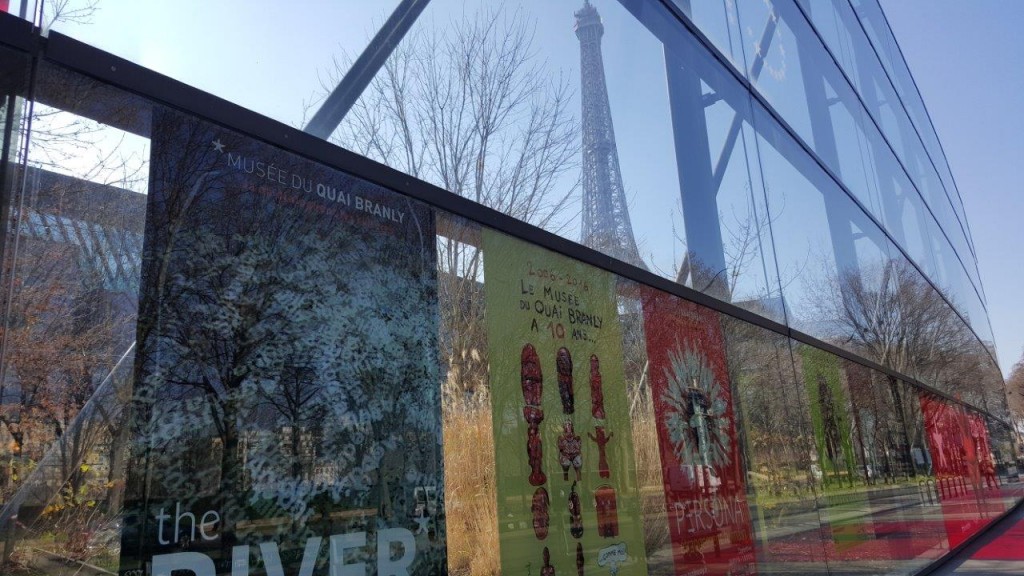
(563, 364)
(607, 512)
(570, 448)
(533, 415)
(535, 453)
(547, 569)
(579, 559)
(575, 514)
(541, 519)
(596, 392)
(602, 440)
(531, 379)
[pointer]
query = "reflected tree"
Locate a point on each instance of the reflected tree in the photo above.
(892, 315)
(471, 108)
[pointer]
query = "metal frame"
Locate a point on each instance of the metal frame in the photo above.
(899, 160)
(927, 115)
(636, 7)
(78, 57)
(334, 108)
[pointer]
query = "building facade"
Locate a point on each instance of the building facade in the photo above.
(611, 287)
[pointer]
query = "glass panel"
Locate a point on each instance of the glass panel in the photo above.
(689, 181)
(725, 223)
(234, 50)
(777, 62)
(469, 445)
(842, 33)
(464, 103)
(72, 268)
(877, 501)
(782, 472)
(877, 30)
(824, 243)
(1006, 463)
(964, 465)
(336, 345)
(562, 424)
(717, 19)
(704, 474)
(820, 105)
(925, 513)
(286, 383)
(844, 282)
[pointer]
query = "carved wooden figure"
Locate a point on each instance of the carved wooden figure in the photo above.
(570, 451)
(602, 441)
(596, 389)
(563, 364)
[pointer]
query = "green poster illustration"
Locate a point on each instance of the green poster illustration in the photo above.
(828, 415)
(834, 445)
(568, 501)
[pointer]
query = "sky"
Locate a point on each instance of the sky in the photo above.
(965, 58)
(273, 61)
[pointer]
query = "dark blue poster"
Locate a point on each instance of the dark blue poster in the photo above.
(286, 409)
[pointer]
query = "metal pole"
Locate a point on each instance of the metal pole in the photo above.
(341, 99)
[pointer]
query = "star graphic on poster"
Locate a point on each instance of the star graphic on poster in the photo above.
(218, 145)
(422, 522)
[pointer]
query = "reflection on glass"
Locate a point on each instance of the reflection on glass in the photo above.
(704, 474)
(963, 465)
(72, 268)
(286, 385)
(1005, 461)
(872, 494)
(639, 431)
(782, 468)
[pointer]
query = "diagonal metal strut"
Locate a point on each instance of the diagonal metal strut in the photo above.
(348, 91)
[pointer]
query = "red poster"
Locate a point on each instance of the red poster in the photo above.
(703, 476)
(959, 449)
(987, 479)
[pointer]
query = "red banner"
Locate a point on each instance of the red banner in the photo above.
(703, 476)
(963, 467)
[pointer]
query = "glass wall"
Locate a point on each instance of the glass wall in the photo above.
(831, 72)
(228, 347)
(785, 50)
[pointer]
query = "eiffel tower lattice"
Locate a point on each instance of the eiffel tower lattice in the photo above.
(606, 225)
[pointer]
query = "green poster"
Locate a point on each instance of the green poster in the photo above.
(568, 501)
(832, 438)
(829, 415)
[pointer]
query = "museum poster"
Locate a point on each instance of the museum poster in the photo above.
(703, 476)
(959, 451)
(568, 501)
(831, 411)
(829, 415)
(286, 413)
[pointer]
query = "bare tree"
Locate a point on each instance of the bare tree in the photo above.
(297, 399)
(892, 315)
(472, 109)
(1015, 396)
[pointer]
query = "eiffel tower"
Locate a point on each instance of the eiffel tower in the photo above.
(606, 225)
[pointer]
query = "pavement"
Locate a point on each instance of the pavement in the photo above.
(999, 550)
